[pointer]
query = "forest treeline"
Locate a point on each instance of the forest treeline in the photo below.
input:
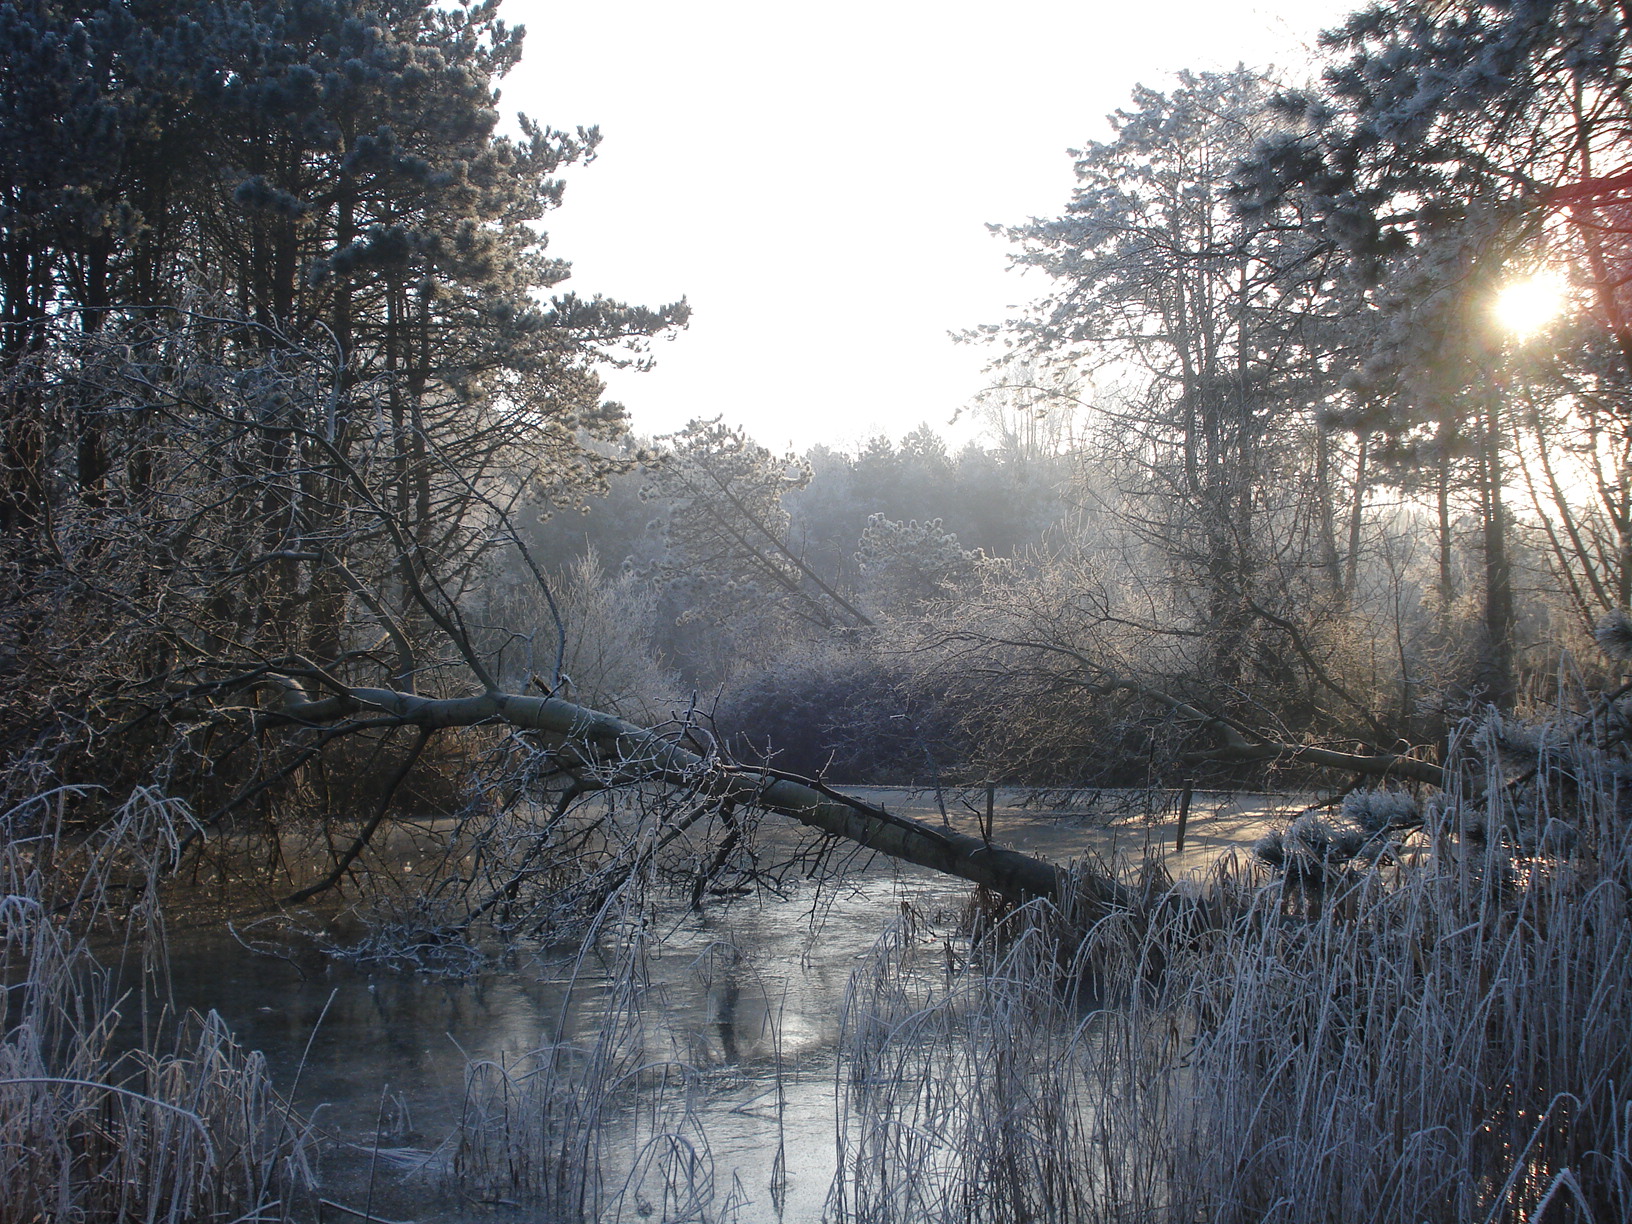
(1319, 442)
(295, 401)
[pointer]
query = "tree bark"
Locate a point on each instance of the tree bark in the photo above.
(636, 752)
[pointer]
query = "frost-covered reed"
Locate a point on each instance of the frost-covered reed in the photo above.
(1447, 1038)
(185, 1126)
(594, 1128)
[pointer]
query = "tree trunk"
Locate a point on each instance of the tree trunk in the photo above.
(1498, 681)
(635, 752)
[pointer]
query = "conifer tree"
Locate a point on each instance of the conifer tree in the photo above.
(1452, 146)
(280, 336)
(1218, 331)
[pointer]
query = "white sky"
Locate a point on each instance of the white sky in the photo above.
(817, 180)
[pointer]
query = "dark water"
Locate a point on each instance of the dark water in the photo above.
(746, 995)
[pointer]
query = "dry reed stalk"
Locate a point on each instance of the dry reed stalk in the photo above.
(597, 1129)
(88, 1133)
(1445, 1038)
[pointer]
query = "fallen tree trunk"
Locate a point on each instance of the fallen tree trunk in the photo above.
(640, 753)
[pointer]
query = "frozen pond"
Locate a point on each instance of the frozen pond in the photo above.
(741, 1006)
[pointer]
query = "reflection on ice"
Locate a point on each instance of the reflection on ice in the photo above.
(692, 1044)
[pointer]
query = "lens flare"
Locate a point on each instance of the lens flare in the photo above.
(1526, 306)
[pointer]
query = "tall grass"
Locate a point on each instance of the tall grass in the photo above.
(1442, 1034)
(1451, 1041)
(991, 1092)
(1446, 1037)
(594, 1129)
(183, 1127)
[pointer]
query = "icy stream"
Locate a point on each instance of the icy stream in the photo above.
(747, 995)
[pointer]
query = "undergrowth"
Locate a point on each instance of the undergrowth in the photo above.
(1429, 1019)
(184, 1125)
(1447, 1036)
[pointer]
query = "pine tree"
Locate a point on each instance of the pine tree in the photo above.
(1449, 147)
(1214, 334)
(280, 336)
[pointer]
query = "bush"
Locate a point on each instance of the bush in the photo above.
(845, 713)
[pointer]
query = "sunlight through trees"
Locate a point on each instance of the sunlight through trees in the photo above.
(332, 586)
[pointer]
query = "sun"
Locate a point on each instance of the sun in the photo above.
(1528, 304)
